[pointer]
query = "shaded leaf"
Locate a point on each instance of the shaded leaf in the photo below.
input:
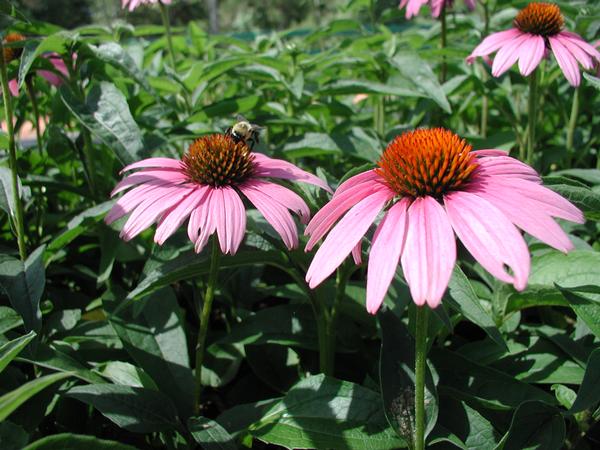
(11, 349)
(535, 425)
(70, 441)
(210, 435)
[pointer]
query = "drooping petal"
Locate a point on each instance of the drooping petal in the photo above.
(278, 216)
(13, 87)
(531, 53)
(129, 201)
(344, 237)
(231, 226)
(578, 40)
(176, 215)
(581, 55)
(285, 197)
(436, 8)
(162, 163)
(489, 236)
(429, 251)
(388, 242)
(208, 221)
(509, 54)
(494, 42)
(505, 166)
(149, 176)
(278, 168)
(566, 61)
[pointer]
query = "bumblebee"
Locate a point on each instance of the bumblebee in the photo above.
(244, 131)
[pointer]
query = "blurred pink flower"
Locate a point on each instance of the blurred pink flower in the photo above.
(436, 187)
(538, 29)
(51, 77)
(414, 6)
(132, 4)
(208, 185)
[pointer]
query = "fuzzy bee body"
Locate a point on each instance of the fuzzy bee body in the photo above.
(244, 131)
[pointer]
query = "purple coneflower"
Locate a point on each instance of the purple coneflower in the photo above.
(132, 4)
(414, 6)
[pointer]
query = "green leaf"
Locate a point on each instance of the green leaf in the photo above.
(565, 395)
(588, 394)
(11, 349)
(585, 301)
(13, 399)
(594, 81)
(70, 441)
(591, 176)
(135, 409)
(192, 265)
(582, 196)
(321, 412)
(24, 283)
(12, 436)
(465, 301)
(7, 199)
(535, 425)
(80, 224)
(397, 378)
(349, 87)
(210, 435)
(423, 80)
(127, 374)
(155, 339)
(56, 42)
(9, 319)
(106, 114)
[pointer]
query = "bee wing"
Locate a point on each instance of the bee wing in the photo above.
(240, 118)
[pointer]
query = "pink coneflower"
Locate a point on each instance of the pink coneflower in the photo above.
(414, 6)
(436, 187)
(132, 4)
(208, 185)
(538, 29)
(51, 77)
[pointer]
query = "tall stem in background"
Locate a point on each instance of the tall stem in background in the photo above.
(12, 157)
(205, 317)
(36, 112)
(165, 18)
(443, 45)
(420, 358)
(532, 116)
(572, 125)
(485, 99)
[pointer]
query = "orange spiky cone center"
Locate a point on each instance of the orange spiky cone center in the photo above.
(217, 160)
(542, 19)
(12, 53)
(426, 162)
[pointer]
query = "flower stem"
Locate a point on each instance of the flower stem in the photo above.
(572, 125)
(331, 322)
(165, 18)
(12, 157)
(443, 69)
(205, 318)
(36, 112)
(532, 116)
(420, 356)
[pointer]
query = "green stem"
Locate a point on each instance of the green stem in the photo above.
(205, 318)
(329, 359)
(167, 24)
(572, 125)
(485, 99)
(12, 156)
(36, 112)
(379, 115)
(532, 116)
(443, 45)
(420, 357)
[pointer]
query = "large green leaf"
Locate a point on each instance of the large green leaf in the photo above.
(154, 337)
(581, 195)
(535, 426)
(397, 378)
(106, 114)
(135, 409)
(7, 200)
(9, 319)
(321, 412)
(13, 399)
(24, 284)
(70, 441)
(589, 391)
(585, 301)
(11, 349)
(210, 435)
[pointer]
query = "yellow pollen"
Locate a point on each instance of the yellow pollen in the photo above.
(426, 162)
(217, 160)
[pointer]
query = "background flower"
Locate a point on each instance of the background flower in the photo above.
(132, 4)
(51, 77)
(438, 187)
(414, 6)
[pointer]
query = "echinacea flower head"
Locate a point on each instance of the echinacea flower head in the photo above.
(414, 6)
(132, 4)
(432, 186)
(208, 186)
(538, 29)
(12, 53)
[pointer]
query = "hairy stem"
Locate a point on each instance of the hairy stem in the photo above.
(532, 116)
(420, 357)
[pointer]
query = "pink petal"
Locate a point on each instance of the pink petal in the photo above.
(494, 42)
(509, 54)
(470, 4)
(232, 224)
(163, 163)
(581, 55)
(285, 197)
(489, 236)
(176, 215)
(530, 54)
(150, 210)
(199, 215)
(278, 168)
(156, 177)
(344, 237)
(278, 216)
(208, 219)
(13, 87)
(128, 202)
(436, 7)
(489, 152)
(505, 166)
(384, 256)
(429, 251)
(566, 61)
(357, 253)
(364, 177)
(578, 40)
